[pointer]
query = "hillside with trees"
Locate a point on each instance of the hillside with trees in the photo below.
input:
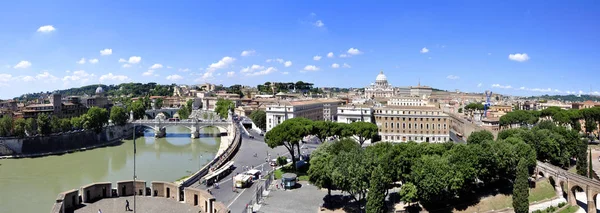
(133, 89)
(570, 98)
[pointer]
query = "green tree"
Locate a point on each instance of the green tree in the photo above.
(352, 174)
(288, 134)
(65, 125)
(190, 105)
(158, 103)
(460, 110)
(95, 119)
(119, 115)
(19, 127)
(408, 193)
(582, 163)
(43, 124)
(259, 118)
(323, 129)
(55, 124)
(474, 106)
(520, 194)
(363, 130)
(342, 130)
(183, 113)
(479, 137)
(377, 191)
(223, 106)
(321, 168)
(6, 126)
(138, 109)
(76, 122)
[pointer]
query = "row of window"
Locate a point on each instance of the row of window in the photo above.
(414, 125)
(418, 139)
(400, 112)
(415, 132)
(410, 119)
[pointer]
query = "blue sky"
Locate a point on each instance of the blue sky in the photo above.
(450, 45)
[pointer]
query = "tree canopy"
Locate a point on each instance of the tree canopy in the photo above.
(289, 134)
(119, 115)
(480, 136)
(363, 130)
(259, 118)
(95, 119)
(223, 106)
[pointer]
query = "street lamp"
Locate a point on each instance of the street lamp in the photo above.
(134, 176)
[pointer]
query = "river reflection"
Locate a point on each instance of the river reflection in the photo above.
(32, 184)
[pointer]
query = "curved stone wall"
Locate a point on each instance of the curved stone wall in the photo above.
(71, 200)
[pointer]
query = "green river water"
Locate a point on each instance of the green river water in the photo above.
(32, 184)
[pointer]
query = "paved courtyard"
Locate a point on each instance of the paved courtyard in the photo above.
(307, 198)
(144, 204)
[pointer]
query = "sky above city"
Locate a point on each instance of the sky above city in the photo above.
(508, 47)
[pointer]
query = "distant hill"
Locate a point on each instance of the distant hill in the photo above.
(571, 98)
(133, 89)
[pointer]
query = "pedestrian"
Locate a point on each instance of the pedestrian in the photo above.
(99, 211)
(127, 206)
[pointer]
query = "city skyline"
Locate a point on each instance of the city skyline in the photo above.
(524, 48)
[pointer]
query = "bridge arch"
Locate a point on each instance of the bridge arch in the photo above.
(221, 128)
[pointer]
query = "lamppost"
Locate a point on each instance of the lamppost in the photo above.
(134, 176)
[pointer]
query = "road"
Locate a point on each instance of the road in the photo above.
(236, 201)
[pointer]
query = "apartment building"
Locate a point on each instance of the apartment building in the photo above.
(311, 109)
(412, 123)
(408, 101)
(350, 114)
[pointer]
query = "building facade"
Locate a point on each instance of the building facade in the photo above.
(408, 101)
(350, 114)
(412, 123)
(311, 109)
(380, 89)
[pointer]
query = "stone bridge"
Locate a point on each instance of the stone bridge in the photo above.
(570, 183)
(159, 127)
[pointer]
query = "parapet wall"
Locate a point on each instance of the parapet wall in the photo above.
(63, 142)
(70, 200)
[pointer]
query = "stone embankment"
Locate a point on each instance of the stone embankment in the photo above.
(72, 200)
(62, 143)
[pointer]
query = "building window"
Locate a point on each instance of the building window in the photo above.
(421, 126)
(427, 125)
(403, 125)
(444, 126)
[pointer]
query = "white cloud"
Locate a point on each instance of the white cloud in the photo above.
(23, 65)
(80, 77)
(81, 61)
(207, 75)
(106, 52)
(126, 65)
(276, 60)
(111, 77)
(479, 85)
(346, 65)
(148, 73)
(252, 68)
(5, 77)
(263, 72)
(424, 50)
(520, 57)
(223, 63)
(330, 55)
(452, 77)
(501, 86)
(319, 23)
(285, 73)
(46, 77)
(174, 77)
(538, 89)
(344, 56)
(354, 51)
(184, 69)
(287, 64)
(122, 60)
(230, 74)
(28, 78)
(134, 59)
(311, 68)
(169, 67)
(93, 60)
(248, 53)
(317, 57)
(156, 66)
(46, 29)
(335, 66)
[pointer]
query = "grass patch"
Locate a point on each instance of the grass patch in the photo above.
(570, 209)
(302, 175)
(573, 170)
(543, 190)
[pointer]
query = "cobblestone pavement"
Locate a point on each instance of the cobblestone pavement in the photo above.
(144, 204)
(307, 198)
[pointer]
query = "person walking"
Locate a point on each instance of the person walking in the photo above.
(99, 211)
(127, 206)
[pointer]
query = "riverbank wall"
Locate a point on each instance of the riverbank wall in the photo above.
(62, 143)
(78, 198)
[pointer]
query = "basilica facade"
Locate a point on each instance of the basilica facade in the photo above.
(380, 89)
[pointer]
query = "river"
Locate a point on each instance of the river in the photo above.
(32, 184)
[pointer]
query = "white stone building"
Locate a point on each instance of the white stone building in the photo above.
(311, 109)
(350, 114)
